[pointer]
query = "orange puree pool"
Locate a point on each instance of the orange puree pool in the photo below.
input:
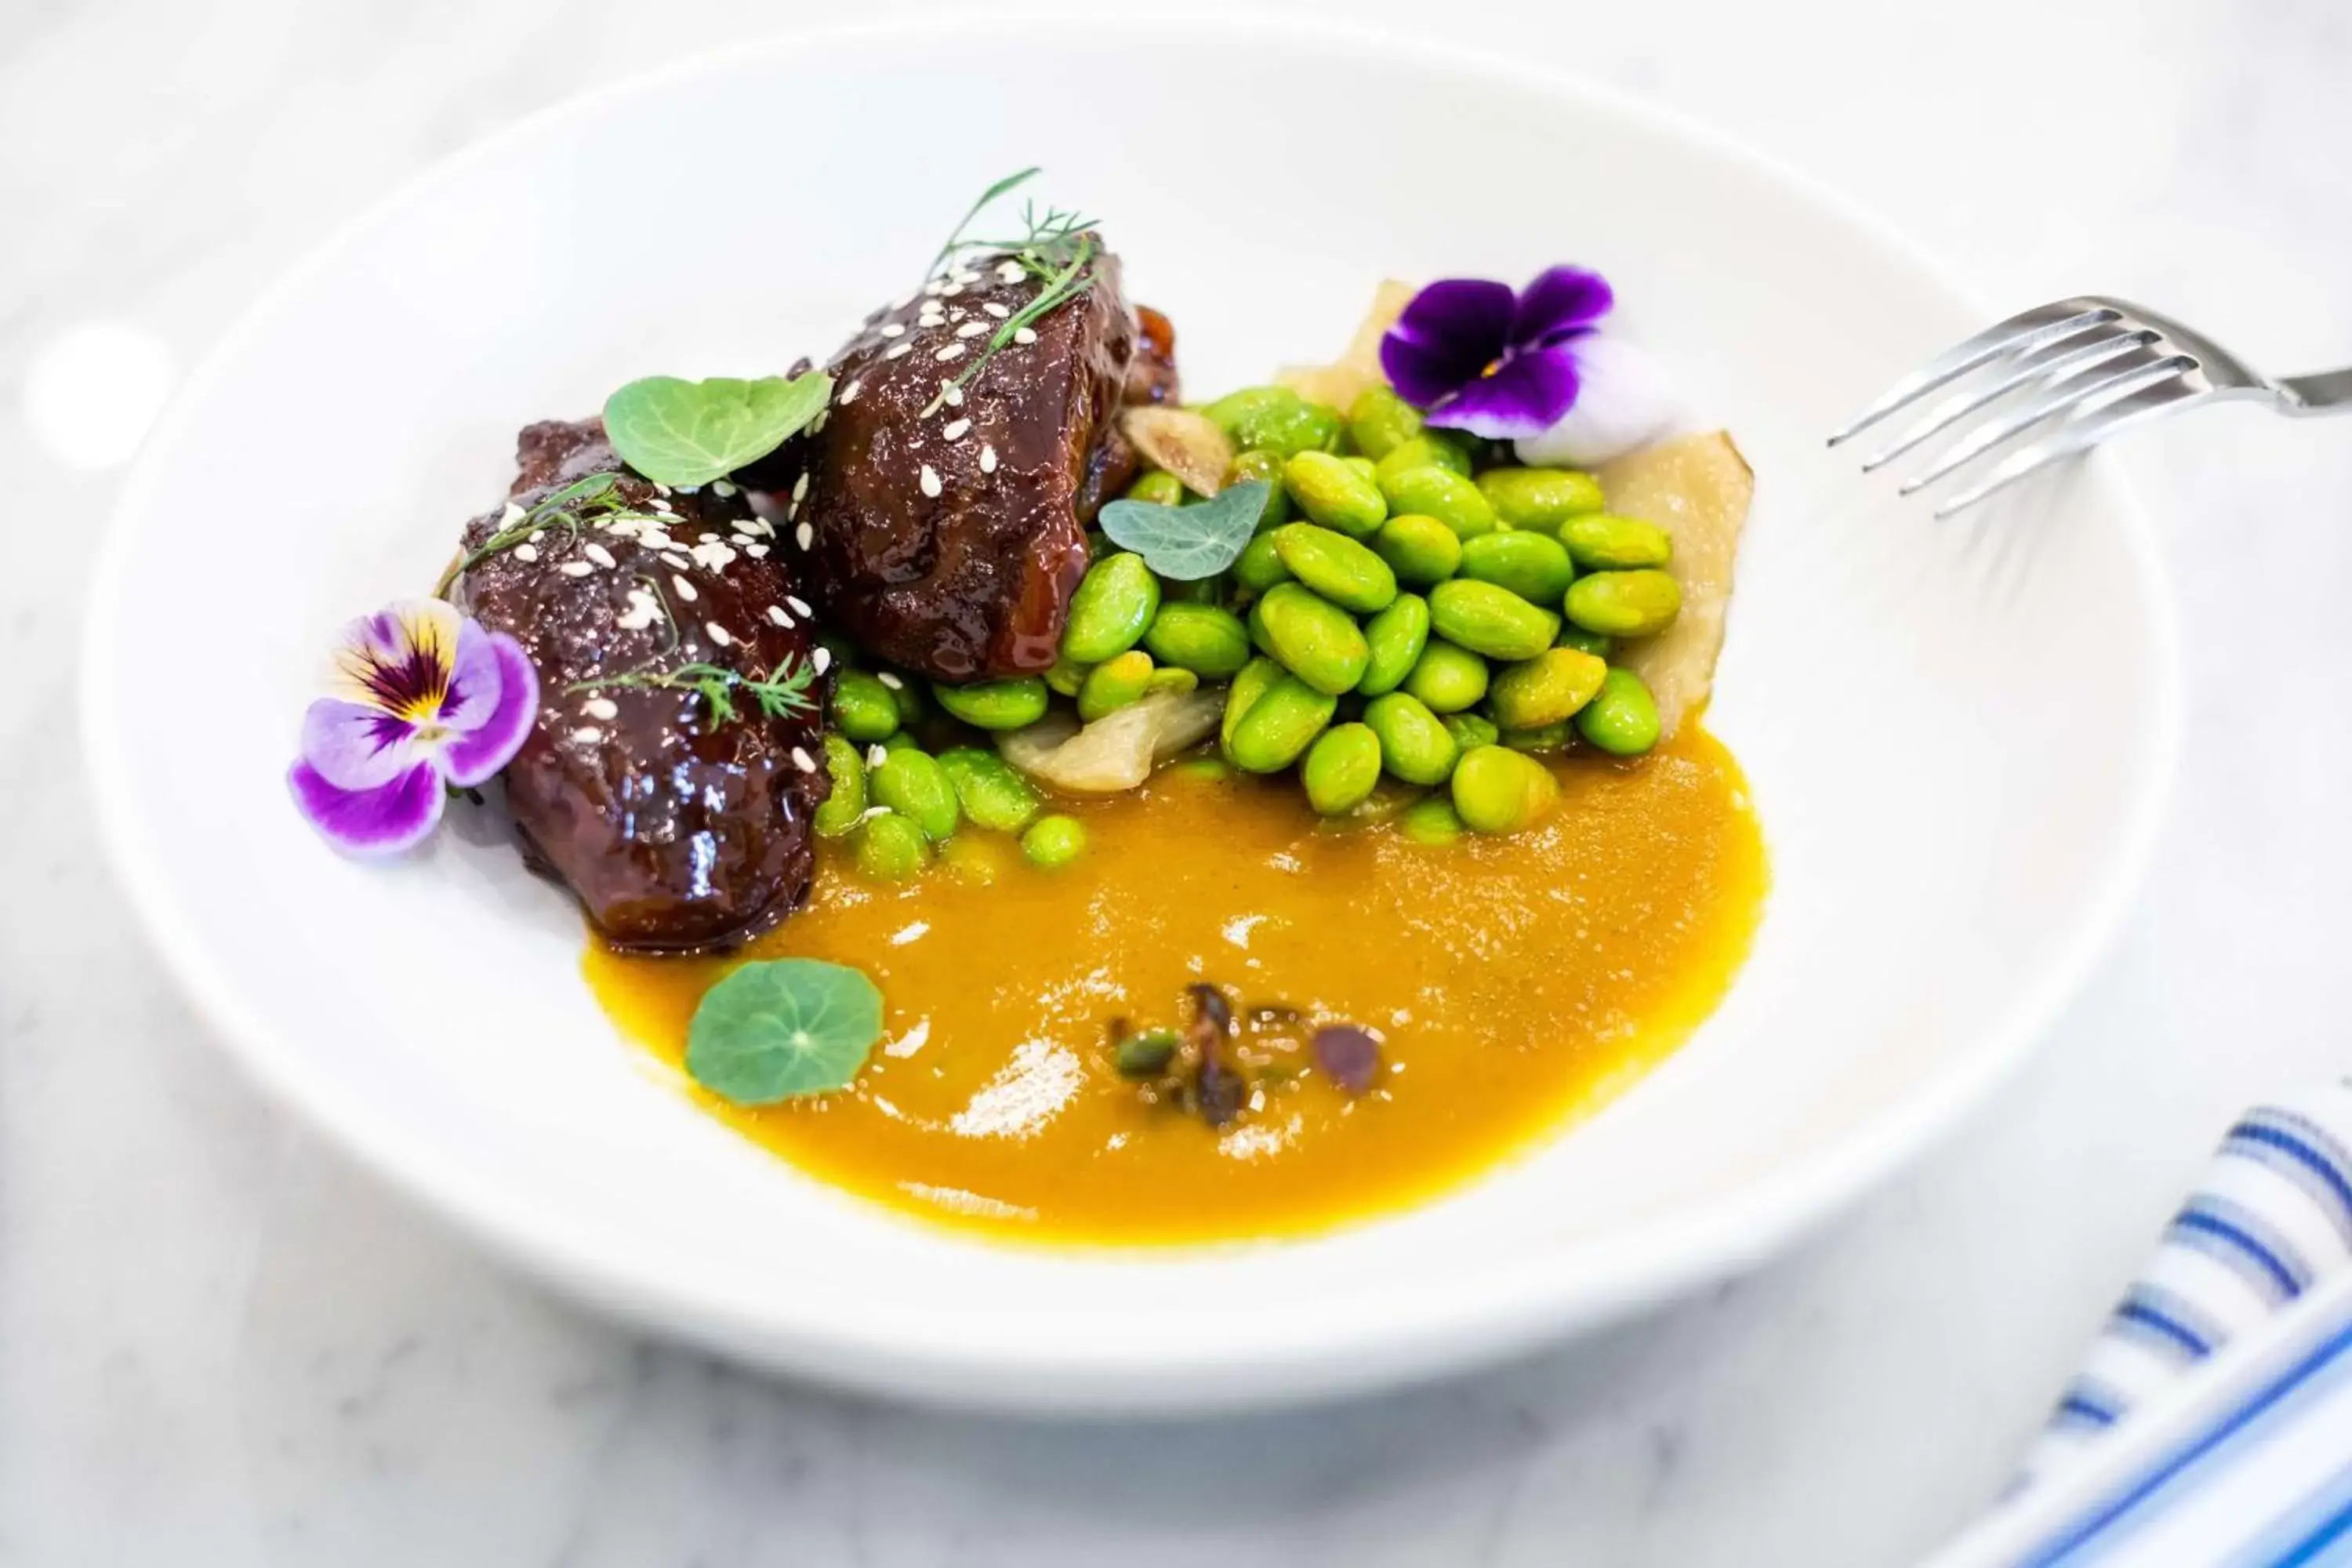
(1517, 984)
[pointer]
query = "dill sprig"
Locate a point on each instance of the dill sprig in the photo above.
(781, 691)
(595, 498)
(1055, 247)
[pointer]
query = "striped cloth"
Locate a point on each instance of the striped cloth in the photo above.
(2271, 1216)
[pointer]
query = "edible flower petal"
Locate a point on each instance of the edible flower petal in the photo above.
(1480, 357)
(423, 698)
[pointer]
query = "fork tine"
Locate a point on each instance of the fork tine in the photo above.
(2078, 435)
(2023, 332)
(2052, 364)
(2071, 393)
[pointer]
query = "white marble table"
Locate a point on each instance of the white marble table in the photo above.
(218, 1345)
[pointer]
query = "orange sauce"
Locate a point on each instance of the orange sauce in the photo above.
(1517, 984)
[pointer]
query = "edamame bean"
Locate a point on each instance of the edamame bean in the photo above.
(1065, 676)
(1470, 730)
(1546, 689)
(1447, 678)
(1543, 739)
(1381, 421)
(1532, 565)
(974, 858)
(1336, 567)
(1314, 639)
(1158, 486)
(1113, 684)
(847, 766)
(1496, 790)
(1433, 821)
(1276, 419)
(890, 848)
(1112, 606)
(912, 783)
(1429, 449)
(1362, 467)
(1415, 745)
(1626, 604)
(1541, 498)
(1172, 679)
(1006, 704)
(1259, 567)
(1334, 494)
(863, 708)
(1442, 494)
(1147, 1053)
(1624, 718)
(1280, 726)
(1419, 550)
(1395, 638)
(1490, 620)
(1600, 543)
(1342, 768)
(1052, 842)
(1201, 770)
(1209, 641)
(1582, 641)
(1266, 466)
(1257, 677)
(900, 741)
(991, 790)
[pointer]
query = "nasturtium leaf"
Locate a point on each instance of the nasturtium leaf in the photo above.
(1186, 543)
(783, 1027)
(686, 433)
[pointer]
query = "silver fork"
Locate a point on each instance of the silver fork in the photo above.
(2094, 365)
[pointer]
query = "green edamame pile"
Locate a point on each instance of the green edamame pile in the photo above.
(1414, 607)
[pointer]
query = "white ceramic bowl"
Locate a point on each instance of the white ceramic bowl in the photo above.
(1957, 736)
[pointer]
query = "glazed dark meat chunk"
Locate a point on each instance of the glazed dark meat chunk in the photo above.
(946, 526)
(683, 822)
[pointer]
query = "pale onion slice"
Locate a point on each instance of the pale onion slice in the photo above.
(1188, 445)
(1698, 489)
(1118, 751)
(1340, 383)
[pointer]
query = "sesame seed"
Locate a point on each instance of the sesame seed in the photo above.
(821, 659)
(988, 459)
(956, 428)
(816, 425)
(804, 535)
(512, 515)
(894, 329)
(803, 761)
(741, 541)
(756, 551)
(685, 589)
(536, 535)
(683, 562)
(849, 392)
(659, 505)
(877, 754)
(934, 287)
(776, 614)
(526, 554)
(953, 351)
(758, 525)
(971, 329)
(1025, 336)
(717, 634)
(930, 480)
(722, 487)
(995, 310)
(800, 605)
(599, 554)
(601, 708)
(707, 538)
(953, 290)
(662, 489)
(890, 680)
(952, 395)
(800, 485)
(964, 275)
(897, 351)
(1008, 272)
(575, 569)
(588, 735)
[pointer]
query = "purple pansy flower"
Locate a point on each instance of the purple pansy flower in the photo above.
(1480, 358)
(424, 697)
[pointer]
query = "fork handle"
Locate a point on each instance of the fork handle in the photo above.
(2324, 391)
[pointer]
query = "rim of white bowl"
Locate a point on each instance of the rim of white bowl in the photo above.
(1416, 1330)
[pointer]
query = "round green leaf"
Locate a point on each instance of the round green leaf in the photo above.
(688, 433)
(1186, 543)
(783, 1027)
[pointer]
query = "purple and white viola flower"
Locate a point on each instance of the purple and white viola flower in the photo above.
(1529, 366)
(424, 698)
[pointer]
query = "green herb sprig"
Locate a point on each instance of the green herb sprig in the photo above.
(1055, 247)
(594, 498)
(783, 690)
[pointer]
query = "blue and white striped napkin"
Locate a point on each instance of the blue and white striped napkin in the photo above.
(2211, 1422)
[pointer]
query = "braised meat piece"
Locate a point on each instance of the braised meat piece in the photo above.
(656, 782)
(946, 526)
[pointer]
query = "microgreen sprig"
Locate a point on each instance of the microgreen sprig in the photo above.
(783, 690)
(1055, 247)
(571, 508)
